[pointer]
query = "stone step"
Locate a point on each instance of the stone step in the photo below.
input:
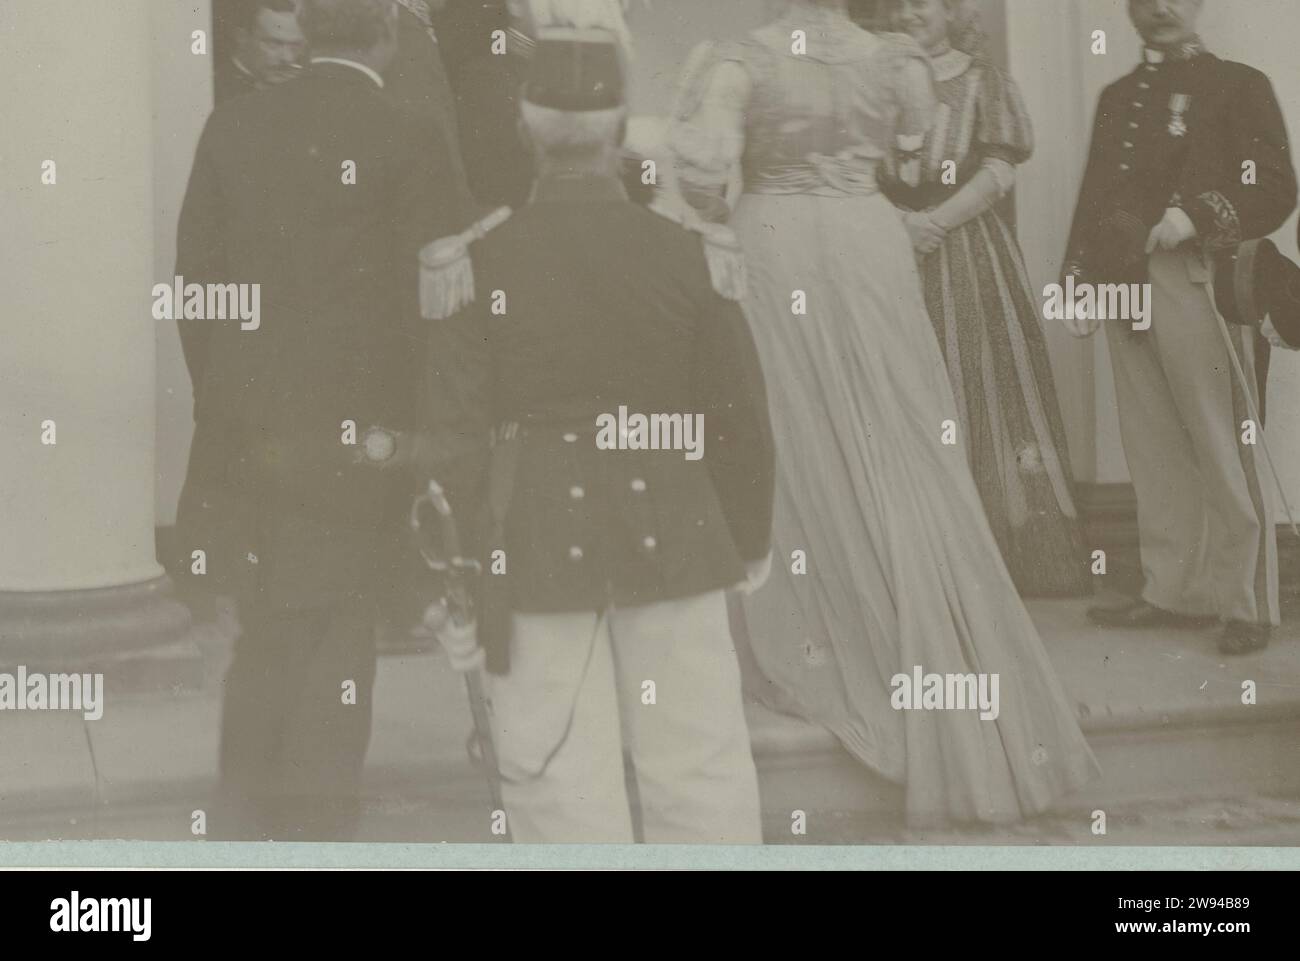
(1162, 710)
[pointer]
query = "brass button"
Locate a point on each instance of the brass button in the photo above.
(1128, 144)
(1144, 86)
(649, 543)
(570, 438)
(577, 493)
(1125, 167)
(1138, 104)
(638, 485)
(575, 553)
(1133, 125)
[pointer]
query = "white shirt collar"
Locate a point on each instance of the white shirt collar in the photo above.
(352, 63)
(1152, 55)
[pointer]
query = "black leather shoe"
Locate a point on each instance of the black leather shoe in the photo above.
(1134, 612)
(1242, 637)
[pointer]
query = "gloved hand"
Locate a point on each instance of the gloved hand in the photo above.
(1172, 232)
(460, 643)
(925, 233)
(1080, 327)
(756, 575)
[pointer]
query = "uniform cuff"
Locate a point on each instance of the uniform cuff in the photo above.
(1216, 219)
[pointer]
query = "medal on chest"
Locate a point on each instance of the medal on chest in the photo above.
(1178, 105)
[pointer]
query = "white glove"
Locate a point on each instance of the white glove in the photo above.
(460, 643)
(1172, 232)
(1082, 327)
(756, 575)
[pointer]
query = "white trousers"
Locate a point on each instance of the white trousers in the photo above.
(1206, 503)
(661, 679)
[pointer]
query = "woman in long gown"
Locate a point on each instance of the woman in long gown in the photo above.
(983, 308)
(902, 569)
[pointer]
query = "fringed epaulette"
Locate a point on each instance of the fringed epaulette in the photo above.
(447, 271)
(722, 248)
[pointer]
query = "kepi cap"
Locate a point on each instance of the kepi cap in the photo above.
(576, 71)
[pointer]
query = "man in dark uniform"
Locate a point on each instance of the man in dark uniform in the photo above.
(1189, 157)
(269, 47)
(321, 192)
(486, 84)
(612, 554)
(417, 77)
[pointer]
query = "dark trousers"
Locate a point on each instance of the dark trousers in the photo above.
(293, 739)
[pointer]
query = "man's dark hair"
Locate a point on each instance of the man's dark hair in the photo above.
(344, 25)
(244, 13)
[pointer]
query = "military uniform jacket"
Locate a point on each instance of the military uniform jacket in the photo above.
(1177, 134)
(272, 494)
(603, 304)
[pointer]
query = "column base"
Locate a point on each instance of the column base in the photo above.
(60, 626)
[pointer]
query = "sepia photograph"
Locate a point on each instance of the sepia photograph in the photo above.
(865, 425)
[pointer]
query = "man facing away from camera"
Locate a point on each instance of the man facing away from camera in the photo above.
(486, 83)
(603, 619)
(321, 193)
(269, 47)
(1189, 158)
(417, 77)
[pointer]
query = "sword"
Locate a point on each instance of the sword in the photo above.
(456, 575)
(1251, 407)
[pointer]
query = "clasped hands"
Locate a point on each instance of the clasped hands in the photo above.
(925, 232)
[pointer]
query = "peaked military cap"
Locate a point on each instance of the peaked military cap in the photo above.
(1255, 285)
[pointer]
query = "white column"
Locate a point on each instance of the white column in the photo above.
(77, 516)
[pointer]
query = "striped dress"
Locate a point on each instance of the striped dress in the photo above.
(986, 318)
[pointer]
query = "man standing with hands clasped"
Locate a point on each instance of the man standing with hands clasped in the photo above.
(603, 618)
(1189, 159)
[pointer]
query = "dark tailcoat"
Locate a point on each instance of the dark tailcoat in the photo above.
(1148, 155)
(272, 493)
(607, 305)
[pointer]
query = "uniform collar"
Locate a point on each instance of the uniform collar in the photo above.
(354, 65)
(1184, 51)
(578, 188)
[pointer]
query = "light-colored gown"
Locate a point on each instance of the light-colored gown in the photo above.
(902, 567)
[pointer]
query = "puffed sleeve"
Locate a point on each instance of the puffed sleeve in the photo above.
(1003, 129)
(912, 82)
(707, 134)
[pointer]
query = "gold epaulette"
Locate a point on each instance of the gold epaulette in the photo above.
(447, 272)
(721, 246)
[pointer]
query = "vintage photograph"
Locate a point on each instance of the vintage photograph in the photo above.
(668, 422)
